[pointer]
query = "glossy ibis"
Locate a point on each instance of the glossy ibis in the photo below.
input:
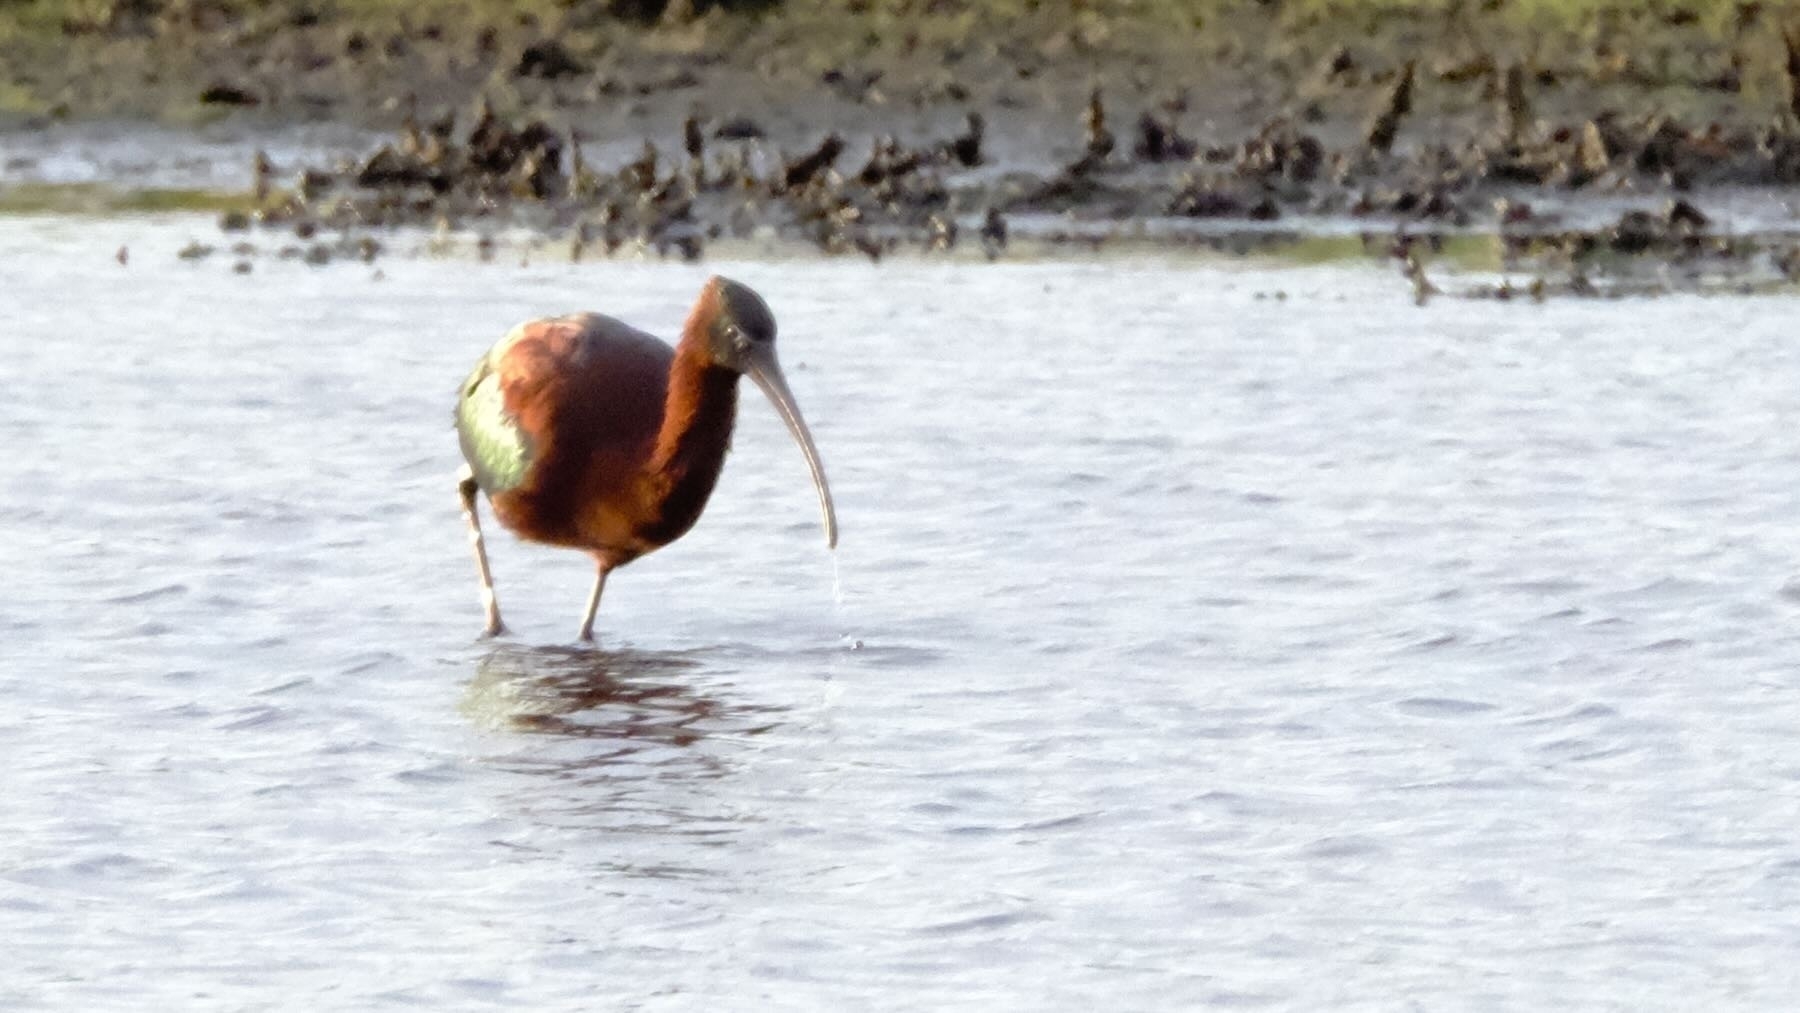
(588, 433)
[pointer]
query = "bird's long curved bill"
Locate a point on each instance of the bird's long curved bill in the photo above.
(766, 371)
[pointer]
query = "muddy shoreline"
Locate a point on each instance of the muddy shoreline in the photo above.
(1595, 152)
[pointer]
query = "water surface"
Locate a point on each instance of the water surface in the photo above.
(1200, 634)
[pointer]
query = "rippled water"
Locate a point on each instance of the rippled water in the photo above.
(131, 155)
(1201, 634)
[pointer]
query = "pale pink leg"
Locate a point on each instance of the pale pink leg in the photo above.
(593, 605)
(489, 601)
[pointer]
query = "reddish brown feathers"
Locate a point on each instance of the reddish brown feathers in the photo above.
(628, 435)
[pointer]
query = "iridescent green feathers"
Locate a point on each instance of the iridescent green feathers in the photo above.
(498, 451)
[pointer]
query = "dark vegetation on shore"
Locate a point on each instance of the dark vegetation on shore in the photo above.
(870, 126)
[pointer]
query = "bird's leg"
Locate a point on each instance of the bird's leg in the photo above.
(489, 601)
(593, 605)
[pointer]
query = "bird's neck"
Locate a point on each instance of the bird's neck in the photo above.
(698, 414)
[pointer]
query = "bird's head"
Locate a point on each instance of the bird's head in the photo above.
(739, 327)
(739, 332)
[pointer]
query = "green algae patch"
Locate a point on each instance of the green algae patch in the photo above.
(102, 199)
(1464, 251)
(17, 99)
(1310, 250)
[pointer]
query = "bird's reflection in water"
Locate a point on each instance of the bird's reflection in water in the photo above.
(644, 697)
(631, 745)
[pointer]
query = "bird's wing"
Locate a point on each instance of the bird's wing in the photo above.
(498, 450)
(565, 379)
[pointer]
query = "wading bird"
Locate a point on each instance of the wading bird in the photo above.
(588, 433)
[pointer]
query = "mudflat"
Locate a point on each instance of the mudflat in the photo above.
(1582, 137)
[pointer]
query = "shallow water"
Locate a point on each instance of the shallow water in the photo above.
(1200, 634)
(134, 155)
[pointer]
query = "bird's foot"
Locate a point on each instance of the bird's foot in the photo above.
(495, 628)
